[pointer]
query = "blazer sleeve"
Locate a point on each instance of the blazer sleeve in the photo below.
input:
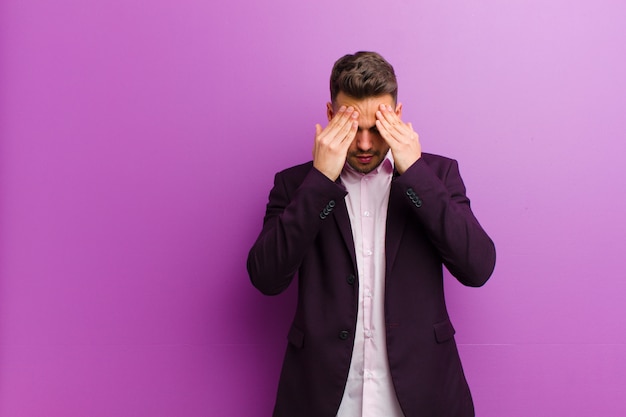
(296, 210)
(437, 196)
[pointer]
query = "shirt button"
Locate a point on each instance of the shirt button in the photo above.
(343, 335)
(351, 279)
(368, 333)
(366, 213)
(368, 253)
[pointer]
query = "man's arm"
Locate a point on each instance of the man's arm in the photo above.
(440, 203)
(294, 215)
(292, 221)
(442, 207)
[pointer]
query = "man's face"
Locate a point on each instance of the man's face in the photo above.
(368, 149)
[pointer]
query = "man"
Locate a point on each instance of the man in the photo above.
(366, 227)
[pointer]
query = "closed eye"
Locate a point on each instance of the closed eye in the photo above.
(372, 129)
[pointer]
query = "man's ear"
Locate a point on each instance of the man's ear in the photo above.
(399, 110)
(329, 111)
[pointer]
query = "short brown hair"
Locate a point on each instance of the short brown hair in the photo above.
(364, 74)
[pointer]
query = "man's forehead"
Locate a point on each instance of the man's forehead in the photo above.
(363, 104)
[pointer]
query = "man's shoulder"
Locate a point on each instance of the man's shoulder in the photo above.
(296, 174)
(300, 169)
(431, 158)
(438, 164)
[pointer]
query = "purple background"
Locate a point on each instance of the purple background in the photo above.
(139, 141)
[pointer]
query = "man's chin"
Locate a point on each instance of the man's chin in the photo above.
(364, 168)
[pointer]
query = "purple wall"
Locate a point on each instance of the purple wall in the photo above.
(138, 142)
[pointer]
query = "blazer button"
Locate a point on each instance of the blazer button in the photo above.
(414, 198)
(351, 279)
(343, 335)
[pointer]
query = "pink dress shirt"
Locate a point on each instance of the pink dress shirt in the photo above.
(369, 390)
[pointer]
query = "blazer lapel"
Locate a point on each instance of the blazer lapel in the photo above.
(396, 219)
(343, 223)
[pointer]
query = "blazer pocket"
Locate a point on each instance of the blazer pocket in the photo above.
(444, 331)
(295, 337)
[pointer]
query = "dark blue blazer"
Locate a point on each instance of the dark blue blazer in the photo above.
(306, 234)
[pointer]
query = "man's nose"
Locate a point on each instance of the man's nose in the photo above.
(364, 140)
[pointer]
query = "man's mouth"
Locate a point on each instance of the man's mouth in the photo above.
(364, 159)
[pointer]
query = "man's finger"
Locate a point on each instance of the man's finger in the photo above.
(340, 117)
(343, 126)
(351, 133)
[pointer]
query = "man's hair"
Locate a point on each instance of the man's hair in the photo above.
(364, 74)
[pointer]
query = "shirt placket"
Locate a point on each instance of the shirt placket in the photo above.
(367, 230)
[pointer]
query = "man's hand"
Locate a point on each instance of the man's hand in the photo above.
(401, 138)
(332, 143)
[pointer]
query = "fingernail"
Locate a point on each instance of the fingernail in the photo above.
(350, 108)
